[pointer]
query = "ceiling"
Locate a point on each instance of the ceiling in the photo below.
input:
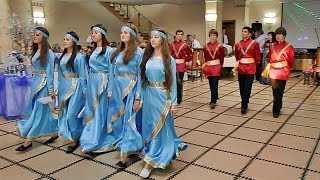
(143, 2)
(146, 2)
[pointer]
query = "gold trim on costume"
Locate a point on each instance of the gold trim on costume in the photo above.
(175, 50)
(67, 95)
(280, 64)
(95, 102)
(161, 121)
(149, 161)
(124, 93)
(246, 51)
(118, 114)
(36, 137)
(128, 75)
(180, 61)
(276, 55)
(156, 84)
(215, 51)
(39, 72)
(70, 76)
(41, 85)
(247, 60)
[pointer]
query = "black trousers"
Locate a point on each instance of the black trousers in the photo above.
(278, 87)
(213, 83)
(245, 84)
(259, 70)
(179, 86)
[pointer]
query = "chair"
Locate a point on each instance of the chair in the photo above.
(195, 67)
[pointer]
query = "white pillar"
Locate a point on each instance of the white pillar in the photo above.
(214, 7)
(6, 43)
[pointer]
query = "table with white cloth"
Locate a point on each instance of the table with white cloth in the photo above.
(15, 93)
(228, 64)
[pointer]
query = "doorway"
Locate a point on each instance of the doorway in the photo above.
(230, 26)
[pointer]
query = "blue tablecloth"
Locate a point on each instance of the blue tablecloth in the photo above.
(14, 95)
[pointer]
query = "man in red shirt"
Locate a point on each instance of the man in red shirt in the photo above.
(248, 56)
(182, 53)
(281, 56)
(214, 57)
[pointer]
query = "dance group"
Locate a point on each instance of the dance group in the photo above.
(127, 96)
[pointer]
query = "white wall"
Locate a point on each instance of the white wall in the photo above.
(188, 17)
(258, 11)
(62, 17)
(230, 12)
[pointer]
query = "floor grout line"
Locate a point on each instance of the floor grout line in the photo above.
(202, 154)
(304, 173)
(269, 140)
(191, 130)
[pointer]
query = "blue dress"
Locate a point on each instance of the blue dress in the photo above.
(71, 89)
(96, 135)
(40, 121)
(162, 144)
(127, 89)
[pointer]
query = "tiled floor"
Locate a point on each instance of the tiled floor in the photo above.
(223, 144)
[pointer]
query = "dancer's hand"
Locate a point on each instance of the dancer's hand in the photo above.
(136, 105)
(174, 109)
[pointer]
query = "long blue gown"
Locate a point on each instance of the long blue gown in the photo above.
(162, 144)
(127, 89)
(40, 121)
(96, 135)
(71, 89)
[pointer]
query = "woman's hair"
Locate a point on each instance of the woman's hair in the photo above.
(273, 37)
(44, 47)
(132, 47)
(75, 50)
(166, 62)
(105, 42)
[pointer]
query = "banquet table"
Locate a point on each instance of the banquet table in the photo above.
(14, 94)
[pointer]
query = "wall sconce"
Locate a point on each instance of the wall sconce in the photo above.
(210, 17)
(38, 14)
(270, 18)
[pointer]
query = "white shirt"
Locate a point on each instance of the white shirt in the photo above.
(195, 44)
(225, 39)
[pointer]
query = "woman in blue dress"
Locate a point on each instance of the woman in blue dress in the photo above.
(126, 94)
(97, 136)
(71, 88)
(40, 121)
(158, 74)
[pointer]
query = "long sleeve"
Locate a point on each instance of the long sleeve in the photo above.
(173, 88)
(111, 72)
(172, 50)
(291, 57)
(81, 67)
(257, 53)
(221, 55)
(50, 72)
(187, 53)
(236, 51)
(138, 91)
